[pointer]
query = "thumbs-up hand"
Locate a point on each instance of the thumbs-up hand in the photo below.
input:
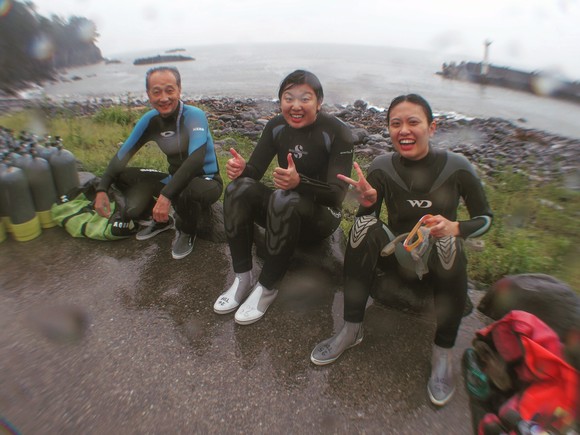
(235, 166)
(286, 179)
(291, 164)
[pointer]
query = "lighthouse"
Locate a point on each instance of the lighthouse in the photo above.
(485, 63)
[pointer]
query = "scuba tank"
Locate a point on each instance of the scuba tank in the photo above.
(4, 219)
(64, 171)
(2, 231)
(20, 158)
(14, 155)
(41, 184)
(24, 224)
(47, 149)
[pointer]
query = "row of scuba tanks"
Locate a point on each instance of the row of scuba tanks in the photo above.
(35, 173)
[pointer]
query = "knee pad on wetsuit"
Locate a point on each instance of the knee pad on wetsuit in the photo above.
(237, 189)
(282, 202)
(447, 251)
(236, 204)
(360, 229)
(280, 215)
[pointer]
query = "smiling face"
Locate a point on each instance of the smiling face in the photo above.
(410, 130)
(299, 105)
(163, 92)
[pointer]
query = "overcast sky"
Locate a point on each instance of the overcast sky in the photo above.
(530, 34)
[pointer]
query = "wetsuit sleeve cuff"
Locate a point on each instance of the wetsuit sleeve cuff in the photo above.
(165, 194)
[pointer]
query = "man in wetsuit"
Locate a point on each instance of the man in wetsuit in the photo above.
(312, 148)
(193, 182)
(415, 181)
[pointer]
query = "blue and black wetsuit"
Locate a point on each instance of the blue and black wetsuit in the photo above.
(193, 180)
(310, 212)
(410, 189)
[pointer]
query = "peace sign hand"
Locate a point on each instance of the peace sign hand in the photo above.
(366, 194)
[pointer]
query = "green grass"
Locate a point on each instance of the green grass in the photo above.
(118, 115)
(535, 227)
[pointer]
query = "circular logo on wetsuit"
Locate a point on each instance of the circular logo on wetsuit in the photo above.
(298, 152)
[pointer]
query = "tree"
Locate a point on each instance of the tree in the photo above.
(33, 47)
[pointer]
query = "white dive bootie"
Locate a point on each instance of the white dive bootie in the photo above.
(233, 297)
(256, 305)
(330, 349)
(441, 384)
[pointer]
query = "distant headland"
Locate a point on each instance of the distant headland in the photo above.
(162, 59)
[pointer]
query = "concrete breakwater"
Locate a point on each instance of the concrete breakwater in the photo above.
(536, 82)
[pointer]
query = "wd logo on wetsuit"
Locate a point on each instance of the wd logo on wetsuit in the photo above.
(198, 129)
(298, 152)
(167, 133)
(420, 203)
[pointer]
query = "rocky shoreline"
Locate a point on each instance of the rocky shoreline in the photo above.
(491, 144)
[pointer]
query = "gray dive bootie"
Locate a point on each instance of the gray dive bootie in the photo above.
(441, 384)
(182, 245)
(330, 349)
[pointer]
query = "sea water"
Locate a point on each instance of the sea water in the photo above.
(347, 72)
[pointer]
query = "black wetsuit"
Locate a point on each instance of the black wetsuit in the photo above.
(193, 180)
(410, 189)
(311, 211)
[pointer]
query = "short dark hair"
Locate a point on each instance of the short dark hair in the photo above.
(171, 69)
(301, 77)
(411, 98)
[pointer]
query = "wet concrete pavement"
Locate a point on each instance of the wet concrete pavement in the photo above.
(118, 338)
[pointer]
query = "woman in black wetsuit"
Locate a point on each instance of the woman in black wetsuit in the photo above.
(312, 148)
(415, 181)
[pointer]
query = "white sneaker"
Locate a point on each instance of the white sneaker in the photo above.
(256, 305)
(233, 297)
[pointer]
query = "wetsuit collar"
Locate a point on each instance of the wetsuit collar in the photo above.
(427, 160)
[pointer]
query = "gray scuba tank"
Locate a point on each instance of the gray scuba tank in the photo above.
(2, 231)
(46, 150)
(64, 171)
(24, 224)
(41, 184)
(20, 159)
(4, 219)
